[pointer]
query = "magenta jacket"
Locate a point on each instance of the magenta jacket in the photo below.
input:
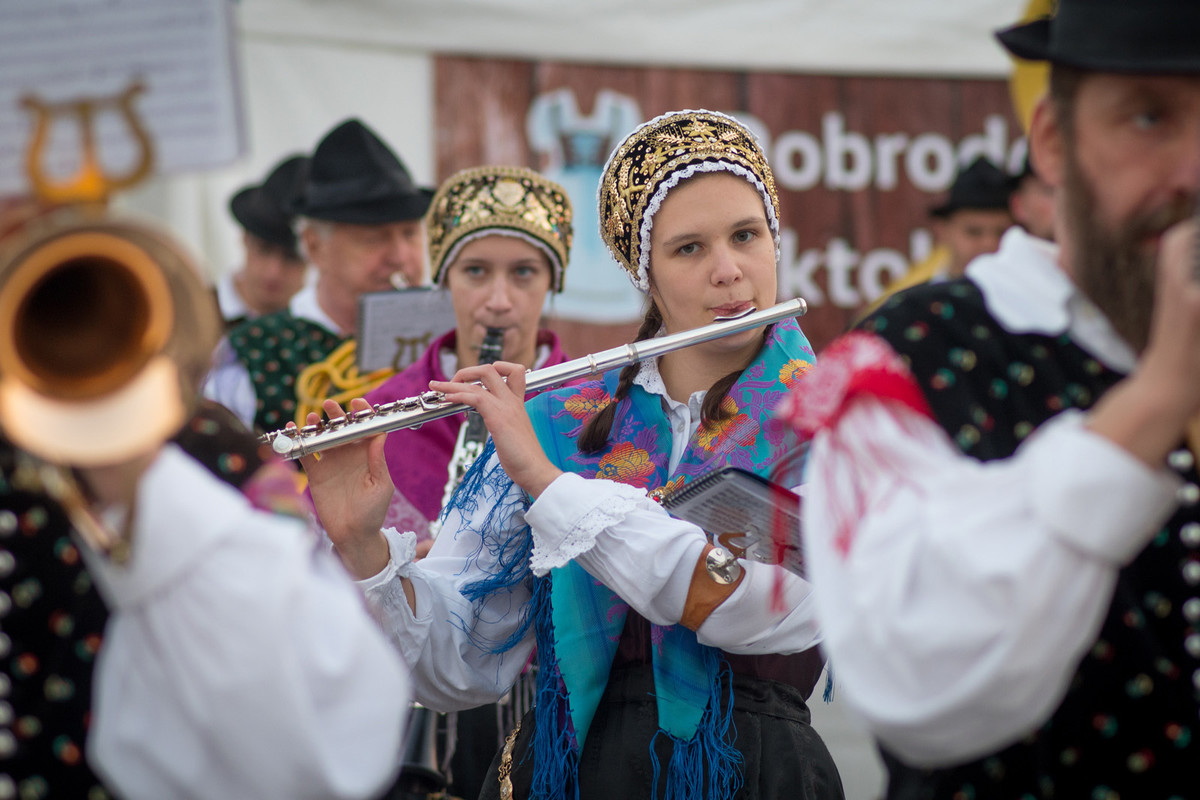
(419, 458)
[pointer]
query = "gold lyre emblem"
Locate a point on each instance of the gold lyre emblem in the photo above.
(91, 183)
(409, 349)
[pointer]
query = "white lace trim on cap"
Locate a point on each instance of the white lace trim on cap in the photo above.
(643, 275)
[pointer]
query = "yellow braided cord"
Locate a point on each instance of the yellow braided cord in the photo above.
(335, 378)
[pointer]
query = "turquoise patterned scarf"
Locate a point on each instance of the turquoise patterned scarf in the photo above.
(585, 618)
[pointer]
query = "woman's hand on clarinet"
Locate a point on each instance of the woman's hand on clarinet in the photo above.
(351, 489)
(497, 392)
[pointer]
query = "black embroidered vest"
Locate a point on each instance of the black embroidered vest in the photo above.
(1128, 725)
(275, 348)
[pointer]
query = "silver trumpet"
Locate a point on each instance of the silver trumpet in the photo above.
(411, 412)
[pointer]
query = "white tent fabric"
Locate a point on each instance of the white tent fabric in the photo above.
(293, 93)
(307, 64)
(913, 37)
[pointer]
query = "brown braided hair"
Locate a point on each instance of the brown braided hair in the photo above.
(594, 436)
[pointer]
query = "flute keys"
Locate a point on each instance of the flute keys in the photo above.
(431, 400)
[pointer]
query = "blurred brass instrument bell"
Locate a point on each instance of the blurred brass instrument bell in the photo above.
(104, 331)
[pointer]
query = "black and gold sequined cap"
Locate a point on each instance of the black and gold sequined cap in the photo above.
(474, 201)
(639, 172)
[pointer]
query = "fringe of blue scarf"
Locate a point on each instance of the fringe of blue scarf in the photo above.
(708, 765)
(510, 548)
(555, 753)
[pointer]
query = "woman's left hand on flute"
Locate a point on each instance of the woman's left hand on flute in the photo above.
(497, 392)
(351, 489)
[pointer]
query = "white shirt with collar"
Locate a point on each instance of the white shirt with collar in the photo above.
(229, 384)
(239, 660)
(615, 531)
(970, 591)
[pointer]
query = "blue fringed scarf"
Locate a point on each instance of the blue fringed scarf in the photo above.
(578, 621)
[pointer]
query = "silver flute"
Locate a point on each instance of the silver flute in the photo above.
(411, 412)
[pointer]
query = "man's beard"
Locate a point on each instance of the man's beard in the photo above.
(1113, 266)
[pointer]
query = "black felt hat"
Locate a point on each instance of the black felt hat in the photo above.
(354, 177)
(982, 185)
(1132, 36)
(265, 209)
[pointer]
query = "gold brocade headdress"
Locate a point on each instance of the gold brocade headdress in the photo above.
(512, 201)
(657, 157)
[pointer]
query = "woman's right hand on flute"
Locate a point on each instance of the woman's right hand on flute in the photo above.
(497, 392)
(351, 489)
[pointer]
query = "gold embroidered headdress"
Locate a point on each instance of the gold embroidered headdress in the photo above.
(512, 201)
(657, 157)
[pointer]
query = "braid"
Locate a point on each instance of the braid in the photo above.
(710, 409)
(594, 435)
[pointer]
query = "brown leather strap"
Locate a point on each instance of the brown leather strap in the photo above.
(704, 595)
(1193, 437)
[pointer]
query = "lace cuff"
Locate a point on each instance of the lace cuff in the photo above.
(402, 548)
(571, 513)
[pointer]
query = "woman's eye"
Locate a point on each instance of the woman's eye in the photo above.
(744, 236)
(688, 249)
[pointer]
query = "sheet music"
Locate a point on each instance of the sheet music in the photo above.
(742, 510)
(65, 50)
(396, 327)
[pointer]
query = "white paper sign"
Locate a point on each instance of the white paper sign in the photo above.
(67, 50)
(396, 327)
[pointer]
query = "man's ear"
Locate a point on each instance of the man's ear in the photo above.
(1047, 148)
(314, 243)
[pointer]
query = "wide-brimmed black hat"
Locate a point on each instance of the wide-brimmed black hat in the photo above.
(1132, 36)
(354, 177)
(982, 185)
(265, 209)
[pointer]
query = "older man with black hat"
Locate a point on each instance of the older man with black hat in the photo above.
(1003, 513)
(273, 270)
(360, 225)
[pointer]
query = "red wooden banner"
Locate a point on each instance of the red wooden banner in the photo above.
(858, 161)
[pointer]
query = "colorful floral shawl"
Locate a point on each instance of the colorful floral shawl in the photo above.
(579, 620)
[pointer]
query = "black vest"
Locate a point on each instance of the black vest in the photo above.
(1129, 723)
(275, 348)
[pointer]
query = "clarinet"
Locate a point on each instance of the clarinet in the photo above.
(473, 433)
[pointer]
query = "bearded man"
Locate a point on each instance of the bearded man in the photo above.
(1002, 515)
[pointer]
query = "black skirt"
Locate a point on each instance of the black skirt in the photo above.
(784, 756)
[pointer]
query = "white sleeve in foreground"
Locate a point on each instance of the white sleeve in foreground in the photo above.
(957, 598)
(240, 661)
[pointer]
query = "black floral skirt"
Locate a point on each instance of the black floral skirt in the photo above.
(783, 756)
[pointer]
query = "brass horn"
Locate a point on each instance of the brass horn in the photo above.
(105, 330)
(103, 321)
